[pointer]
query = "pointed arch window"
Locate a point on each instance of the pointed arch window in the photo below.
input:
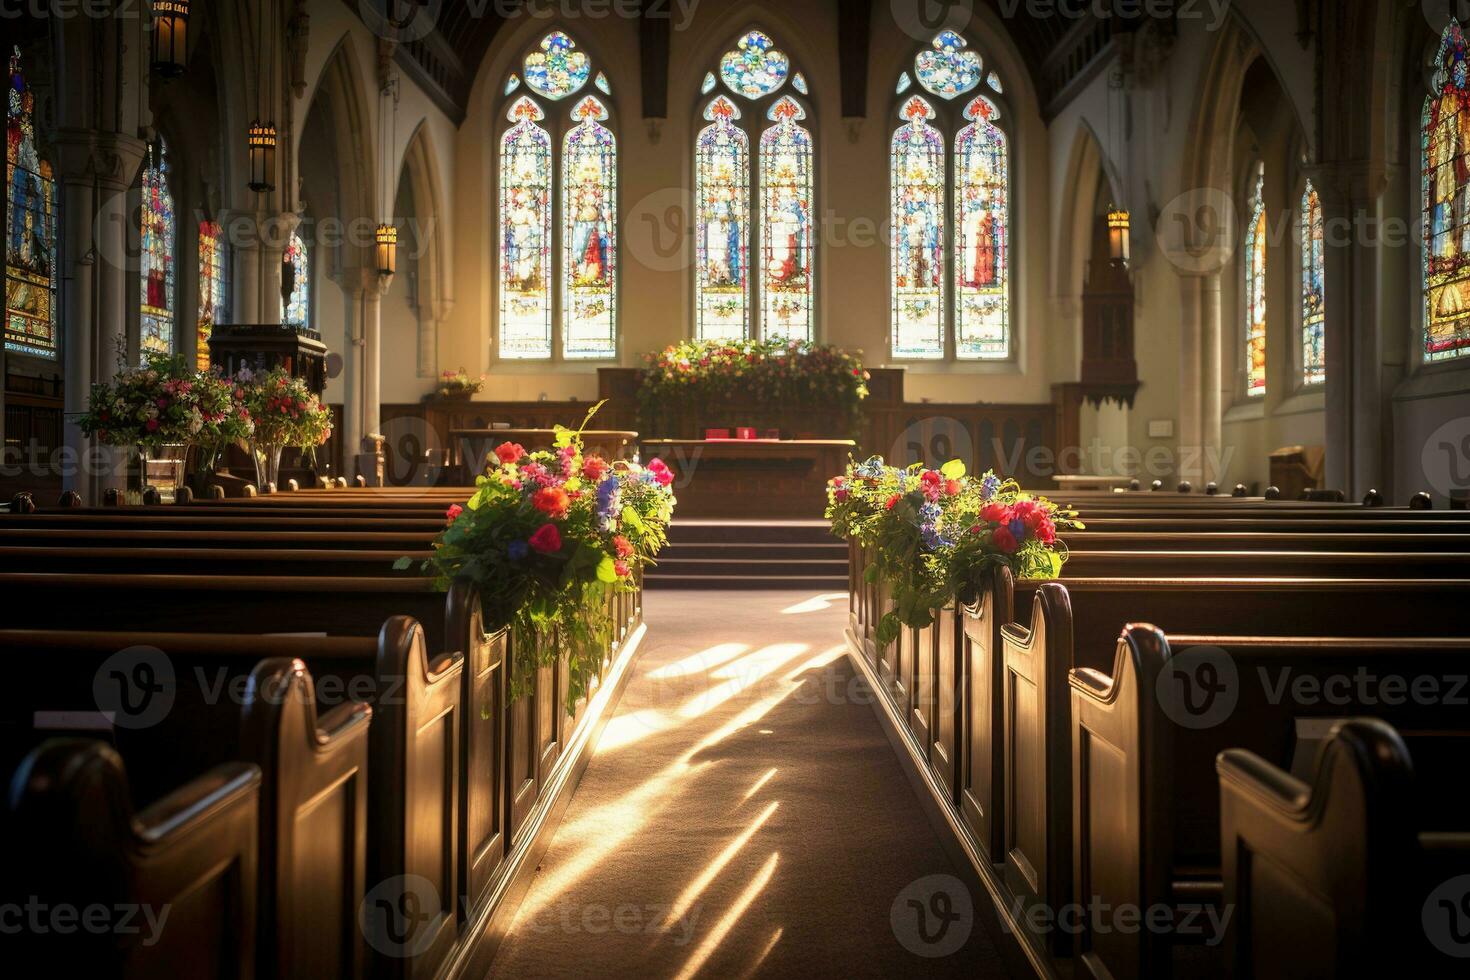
(212, 308)
(558, 270)
(30, 232)
(1255, 288)
(158, 294)
(950, 280)
(1445, 136)
(1314, 292)
(754, 261)
(297, 310)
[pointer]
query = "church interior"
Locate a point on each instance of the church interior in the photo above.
(704, 488)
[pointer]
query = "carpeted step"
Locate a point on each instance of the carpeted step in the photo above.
(814, 583)
(725, 551)
(673, 564)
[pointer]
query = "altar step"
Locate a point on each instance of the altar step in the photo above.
(714, 554)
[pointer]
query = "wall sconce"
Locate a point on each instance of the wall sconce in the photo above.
(387, 249)
(170, 37)
(260, 140)
(1118, 235)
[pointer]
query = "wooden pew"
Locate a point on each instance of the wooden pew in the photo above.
(1145, 807)
(1356, 871)
(1070, 626)
(233, 540)
(310, 840)
(177, 876)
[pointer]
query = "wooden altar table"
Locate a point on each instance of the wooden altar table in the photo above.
(751, 477)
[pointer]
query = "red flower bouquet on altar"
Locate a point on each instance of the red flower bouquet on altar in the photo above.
(544, 536)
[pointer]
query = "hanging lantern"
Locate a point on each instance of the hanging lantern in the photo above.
(170, 37)
(1117, 235)
(260, 141)
(387, 238)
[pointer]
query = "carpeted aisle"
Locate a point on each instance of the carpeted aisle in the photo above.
(745, 816)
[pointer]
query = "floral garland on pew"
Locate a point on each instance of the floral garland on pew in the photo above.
(936, 534)
(545, 536)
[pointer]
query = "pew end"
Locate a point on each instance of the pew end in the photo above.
(189, 858)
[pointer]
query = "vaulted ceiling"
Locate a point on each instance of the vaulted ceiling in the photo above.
(450, 57)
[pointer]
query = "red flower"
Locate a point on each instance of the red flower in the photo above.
(1004, 539)
(892, 501)
(661, 472)
(546, 540)
(930, 478)
(454, 511)
(996, 513)
(1046, 531)
(622, 546)
(621, 568)
(951, 487)
(552, 501)
(510, 452)
(594, 467)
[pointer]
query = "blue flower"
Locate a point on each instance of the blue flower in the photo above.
(607, 497)
(929, 513)
(1017, 528)
(989, 486)
(516, 550)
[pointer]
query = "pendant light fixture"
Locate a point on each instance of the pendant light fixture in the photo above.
(170, 43)
(260, 137)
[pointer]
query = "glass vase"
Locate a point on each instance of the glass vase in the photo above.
(267, 458)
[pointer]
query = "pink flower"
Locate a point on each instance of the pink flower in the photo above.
(840, 496)
(152, 425)
(546, 540)
(454, 511)
(661, 473)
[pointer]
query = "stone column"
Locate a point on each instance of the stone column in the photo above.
(257, 240)
(1351, 204)
(350, 282)
(373, 287)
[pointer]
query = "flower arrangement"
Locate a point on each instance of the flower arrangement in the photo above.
(162, 402)
(936, 534)
(705, 375)
(284, 410)
(544, 536)
(454, 384)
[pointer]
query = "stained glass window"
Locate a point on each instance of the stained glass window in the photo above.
(904, 81)
(708, 83)
(1446, 200)
(722, 203)
(30, 239)
(916, 156)
(993, 80)
(1314, 295)
(589, 233)
(602, 84)
(982, 235)
(557, 69)
(298, 310)
(156, 258)
(512, 83)
(786, 224)
(1255, 290)
(755, 68)
(525, 234)
(212, 308)
(798, 82)
(946, 69)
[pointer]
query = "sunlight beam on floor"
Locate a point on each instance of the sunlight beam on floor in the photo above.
(758, 784)
(816, 603)
(729, 919)
(696, 887)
